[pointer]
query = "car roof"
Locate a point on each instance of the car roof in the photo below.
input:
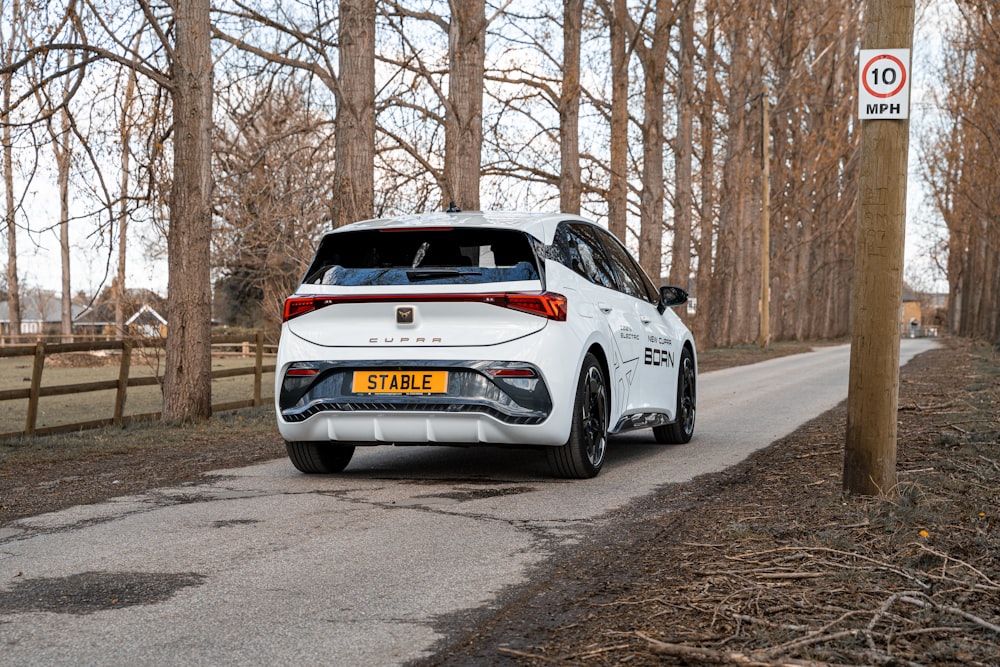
(537, 224)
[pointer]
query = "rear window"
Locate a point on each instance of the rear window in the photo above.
(426, 256)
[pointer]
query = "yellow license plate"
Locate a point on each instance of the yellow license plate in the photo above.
(400, 382)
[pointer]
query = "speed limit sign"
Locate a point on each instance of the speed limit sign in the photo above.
(884, 84)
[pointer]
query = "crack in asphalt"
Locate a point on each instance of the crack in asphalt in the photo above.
(216, 490)
(543, 532)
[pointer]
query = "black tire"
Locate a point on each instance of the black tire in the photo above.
(319, 457)
(681, 430)
(583, 454)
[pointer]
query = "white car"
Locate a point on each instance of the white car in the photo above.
(466, 328)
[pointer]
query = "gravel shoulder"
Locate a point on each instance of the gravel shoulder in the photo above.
(766, 563)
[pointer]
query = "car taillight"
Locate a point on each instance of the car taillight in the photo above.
(300, 305)
(549, 305)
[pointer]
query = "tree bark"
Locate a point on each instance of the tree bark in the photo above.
(570, 187)
(706, 262)
(734, 274)
(187, 387)
(680, 260)
(464, 113)
(62, 144)
(618, 150)
(64, 154)
(125, 135)
(354, 175)
(13, 288)
(654, 59)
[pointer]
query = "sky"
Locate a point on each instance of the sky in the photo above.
(92, 268)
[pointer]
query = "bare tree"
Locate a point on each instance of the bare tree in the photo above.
(305, 43)
(960, 160)
(570, 187)
(187, 379)
(354, 176)
(9, 44)
(704, 282)
(274, 162)
(735, 274)
(463, 142)
(125, 127)
(651, 49)
(60, 126)
(617, 16)
(680, 264)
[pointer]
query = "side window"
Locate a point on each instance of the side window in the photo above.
(633, 278)
(578, 249)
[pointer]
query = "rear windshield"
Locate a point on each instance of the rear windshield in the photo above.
(426, 256)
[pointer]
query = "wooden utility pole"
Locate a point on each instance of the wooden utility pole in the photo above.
(765, 224)
(873, 392)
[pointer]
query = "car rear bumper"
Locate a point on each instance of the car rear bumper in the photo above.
(416, 428)
(480, 405)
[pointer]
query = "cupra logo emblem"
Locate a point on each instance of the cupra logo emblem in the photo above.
(404, 315)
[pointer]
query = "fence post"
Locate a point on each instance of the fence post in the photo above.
(36, 385)
(123, 372)
(258, 371)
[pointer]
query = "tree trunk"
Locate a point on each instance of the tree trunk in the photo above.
(13, 289)
(187, 387)
(125, 137)
(569, 109)
(64, 155)
(464, 114)
(732, 271)
(618, 158)
(124, 132)
(654, 59)
(706, 264)
(354, 175)
(680, 260)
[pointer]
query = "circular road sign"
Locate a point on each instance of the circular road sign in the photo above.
(884, 76)
(884, 84)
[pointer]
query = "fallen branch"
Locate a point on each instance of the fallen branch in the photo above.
(953, 610)
(708, 655)
(948, 558)
(525, 654)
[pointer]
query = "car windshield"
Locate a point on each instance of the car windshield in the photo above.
(426, 256)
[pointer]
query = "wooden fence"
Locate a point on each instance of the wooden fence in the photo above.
(126, 347)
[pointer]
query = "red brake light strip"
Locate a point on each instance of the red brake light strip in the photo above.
(549, 305)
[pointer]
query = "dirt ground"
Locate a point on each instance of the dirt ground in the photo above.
(767, 563)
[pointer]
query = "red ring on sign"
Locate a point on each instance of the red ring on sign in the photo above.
(902, 71)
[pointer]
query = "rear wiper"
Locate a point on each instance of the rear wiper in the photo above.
(432, 274)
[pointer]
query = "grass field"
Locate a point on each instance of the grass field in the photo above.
(75, 368)
(68, 369)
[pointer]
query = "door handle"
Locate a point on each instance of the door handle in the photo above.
(645, 319)
(605, 308)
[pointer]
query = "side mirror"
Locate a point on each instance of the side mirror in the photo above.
(672, 296)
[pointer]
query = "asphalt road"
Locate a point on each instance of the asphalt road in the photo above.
(263, 565)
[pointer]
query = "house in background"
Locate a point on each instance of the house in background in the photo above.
(921, 314)
(39, 317)
(147, 323)
(144, 315)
